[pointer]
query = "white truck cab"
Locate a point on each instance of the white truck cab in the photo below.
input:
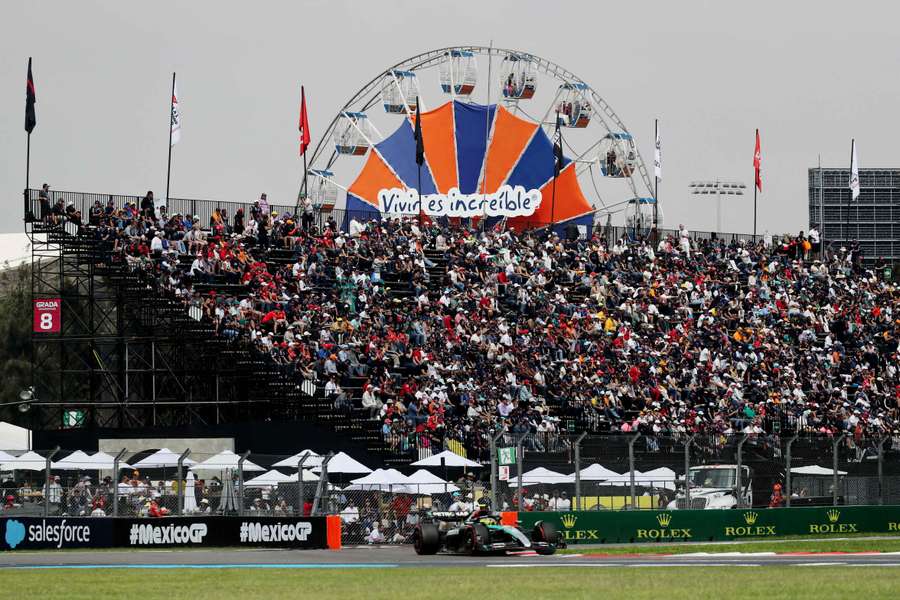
(715, 487)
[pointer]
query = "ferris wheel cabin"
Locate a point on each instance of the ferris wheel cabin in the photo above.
(617, 155)
(322, 190)
(517, 77)
(400, 92)
(573, 108)
(459, 73)
(352, 134)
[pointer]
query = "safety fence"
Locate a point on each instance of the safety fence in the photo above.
(560, 473)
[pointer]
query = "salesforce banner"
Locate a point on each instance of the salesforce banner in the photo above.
(31, 533)
(55, 533)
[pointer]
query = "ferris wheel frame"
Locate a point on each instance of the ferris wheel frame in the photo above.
(370, 95)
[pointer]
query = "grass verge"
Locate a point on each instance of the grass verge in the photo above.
(785, 545)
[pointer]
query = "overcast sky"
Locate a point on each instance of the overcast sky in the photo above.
(810, 75)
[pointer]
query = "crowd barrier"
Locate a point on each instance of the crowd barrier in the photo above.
(55, 533)
(590, 527)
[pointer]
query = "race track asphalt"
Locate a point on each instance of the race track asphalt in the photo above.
(405, 557)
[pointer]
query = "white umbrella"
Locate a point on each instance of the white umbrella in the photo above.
(105, 462)
(815, 470)
(30, 461)
(538, 476)
(162, 458)
(77, 461)
(451, 459)
(190, 500)
(226, 459)
(312, 460)
(426, 482)
(269, 478)
(343, 463)
(594, 472)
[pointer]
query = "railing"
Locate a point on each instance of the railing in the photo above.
(340, 218)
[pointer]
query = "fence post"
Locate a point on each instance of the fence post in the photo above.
(301, 491)
(180, 475)
(47, 481)
(631, 442)
(494, 482)
(881, 469)
(115, 480)
(520, 465)
(739, 491)
(687, 469)
(241, 482)
(578, 470)
(787, 470)
(834, 467)
(323, 481)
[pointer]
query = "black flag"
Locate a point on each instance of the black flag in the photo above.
(557, 149)
(420, 146)
(30, 99)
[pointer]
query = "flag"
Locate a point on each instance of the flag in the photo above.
(420, 144)
(30, 99)
(176, 116)
(854, 171)
(756, 163)
(557, 149)
(657, 156)
(304, 123)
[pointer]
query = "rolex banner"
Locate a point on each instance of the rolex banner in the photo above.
(592, 527)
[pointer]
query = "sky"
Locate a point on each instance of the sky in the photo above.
(809, 75)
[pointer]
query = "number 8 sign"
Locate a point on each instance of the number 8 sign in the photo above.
(47, 313)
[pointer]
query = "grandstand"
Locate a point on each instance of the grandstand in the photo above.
(232, 321)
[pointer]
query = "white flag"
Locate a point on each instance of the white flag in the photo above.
(176, 117)
(657, 157)
(854, 171)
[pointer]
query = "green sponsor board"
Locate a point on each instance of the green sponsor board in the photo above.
(586, 527)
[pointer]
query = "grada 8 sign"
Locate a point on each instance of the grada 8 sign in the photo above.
(47, 315)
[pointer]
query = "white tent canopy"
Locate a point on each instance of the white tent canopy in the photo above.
(162, 458)
(426, 482)
(77, 461)
(269, 478)
(4, 457)
(104, 461)
(815, 470)
(344, 463)
(312, 460)
(595, 472)
(451, 459)
(30, 461)
(538, 476)
(226, 459)
(624, 478)
(384, 480)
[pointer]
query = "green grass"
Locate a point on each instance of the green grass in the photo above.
(436, 583)
(787, 545)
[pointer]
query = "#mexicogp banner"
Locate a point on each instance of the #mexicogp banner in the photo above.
(597, 527)
(60, 532)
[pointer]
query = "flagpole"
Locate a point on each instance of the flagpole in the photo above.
(821, 212)
(556, 167)
(846, 229)
(169, 167)
(755, 190)
(656, 187)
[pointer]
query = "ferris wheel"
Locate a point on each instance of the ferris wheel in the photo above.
(485, 113)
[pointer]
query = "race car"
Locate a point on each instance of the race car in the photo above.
(481, 532)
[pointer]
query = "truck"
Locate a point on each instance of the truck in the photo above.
(714, 487)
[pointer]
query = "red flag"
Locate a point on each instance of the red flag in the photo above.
(756, 163)
(304, 123)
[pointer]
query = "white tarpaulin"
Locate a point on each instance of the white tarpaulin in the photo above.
(162, 458)
(815, 470)
(312, 460)
(344, 463)
(226, 459)
(451, 459)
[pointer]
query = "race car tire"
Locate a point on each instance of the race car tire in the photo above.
(480, 536)
(545, 532)
(427, 539)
